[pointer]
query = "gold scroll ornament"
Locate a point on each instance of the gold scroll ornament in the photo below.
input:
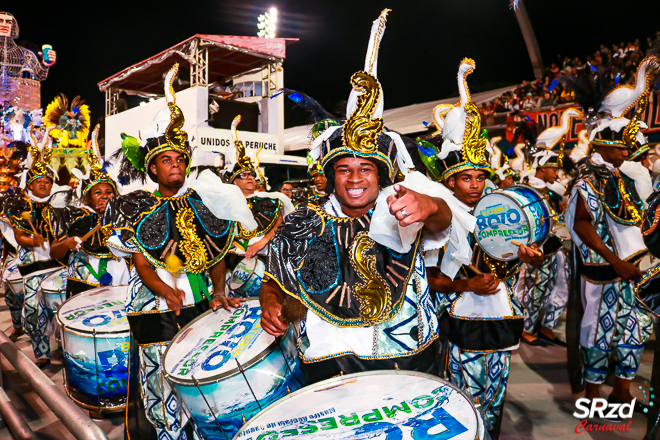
(373, 295)
(191, 246)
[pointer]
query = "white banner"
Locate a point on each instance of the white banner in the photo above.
(217, 139)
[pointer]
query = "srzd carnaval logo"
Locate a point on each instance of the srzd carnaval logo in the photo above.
(588, 408)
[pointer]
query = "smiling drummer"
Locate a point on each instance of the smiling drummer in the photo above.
(482, 318)
(604, 215)
(350, 273)
(178, 238)
(91, 263)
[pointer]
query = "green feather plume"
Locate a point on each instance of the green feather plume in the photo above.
(131, 148)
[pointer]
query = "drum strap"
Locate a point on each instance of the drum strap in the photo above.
(103, 268)
(198, 286)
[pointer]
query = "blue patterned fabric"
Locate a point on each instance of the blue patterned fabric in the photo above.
(622, 327)
(35, 318)
(15, 303)
(540, 288)
(161, 402)
(482, 375)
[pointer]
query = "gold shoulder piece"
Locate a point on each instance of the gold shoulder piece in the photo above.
(373, 295)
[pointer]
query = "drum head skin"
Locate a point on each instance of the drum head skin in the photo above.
(210, 345)
(518, 213)
(56, 281)
(372, 405)
(100, 310)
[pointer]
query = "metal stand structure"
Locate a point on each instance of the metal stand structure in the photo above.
(72, 417)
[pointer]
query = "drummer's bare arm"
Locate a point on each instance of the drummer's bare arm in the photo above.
(27, 241)
(432, 211)
(484, 284)
(59, 249)
(271, 299)
(252, 250)
(219, 298)
(151, 279)
(587, 233)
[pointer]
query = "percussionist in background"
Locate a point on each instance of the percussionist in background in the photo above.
(91, 263)
(268, 208)
(28, 212)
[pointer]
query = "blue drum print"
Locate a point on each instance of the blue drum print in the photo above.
(203, 358)
(413, 406)
(53, 288)
(517, 213)
(96, 341)
(12, 276)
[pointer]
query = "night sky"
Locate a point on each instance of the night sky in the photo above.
(419, 55)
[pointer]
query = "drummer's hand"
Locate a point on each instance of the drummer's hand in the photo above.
(220, 300)
(526, 255)
(271, 319)
(627, 271)
(562, 206)
(37, 240)
(416, 207)
(485, 284)
(252, 250)
(174, 298)
(71, 243)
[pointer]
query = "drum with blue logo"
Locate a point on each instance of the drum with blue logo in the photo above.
(226, 368)
(402, 405)
(516, 213)
(96, 341)
(11, 275)
(246, 279)
(53, 288)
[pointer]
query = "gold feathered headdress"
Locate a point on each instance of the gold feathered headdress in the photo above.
(70, 126)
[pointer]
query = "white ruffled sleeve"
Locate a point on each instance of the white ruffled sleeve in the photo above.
(385, 227)
(225, 201)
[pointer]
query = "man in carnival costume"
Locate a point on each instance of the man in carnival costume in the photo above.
(545, 288)
(91, 263)
(350, 272)
(29, 212)
(603, 216)
(481, 317)
(268, 208)
(178, 232)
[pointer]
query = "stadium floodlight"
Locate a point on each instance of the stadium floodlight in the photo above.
(267, 24)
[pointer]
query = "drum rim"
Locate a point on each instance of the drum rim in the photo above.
(508, 188)
(227, 374)
(114, 408)
(347, 377)
(86, 332)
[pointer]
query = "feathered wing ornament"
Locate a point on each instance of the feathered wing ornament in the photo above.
(429, 155)
(306, 102)
(131, 160)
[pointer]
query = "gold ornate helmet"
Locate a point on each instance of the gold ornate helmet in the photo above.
(164, 134)
(243, 162)
(96, 172)
(611, 126)
(363, 134)
(550, 143)
(315, 168)
(463, 143)
(39, 159)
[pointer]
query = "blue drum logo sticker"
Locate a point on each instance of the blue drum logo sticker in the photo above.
(501, 221)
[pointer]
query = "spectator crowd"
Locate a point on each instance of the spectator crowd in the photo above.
(547, 91)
